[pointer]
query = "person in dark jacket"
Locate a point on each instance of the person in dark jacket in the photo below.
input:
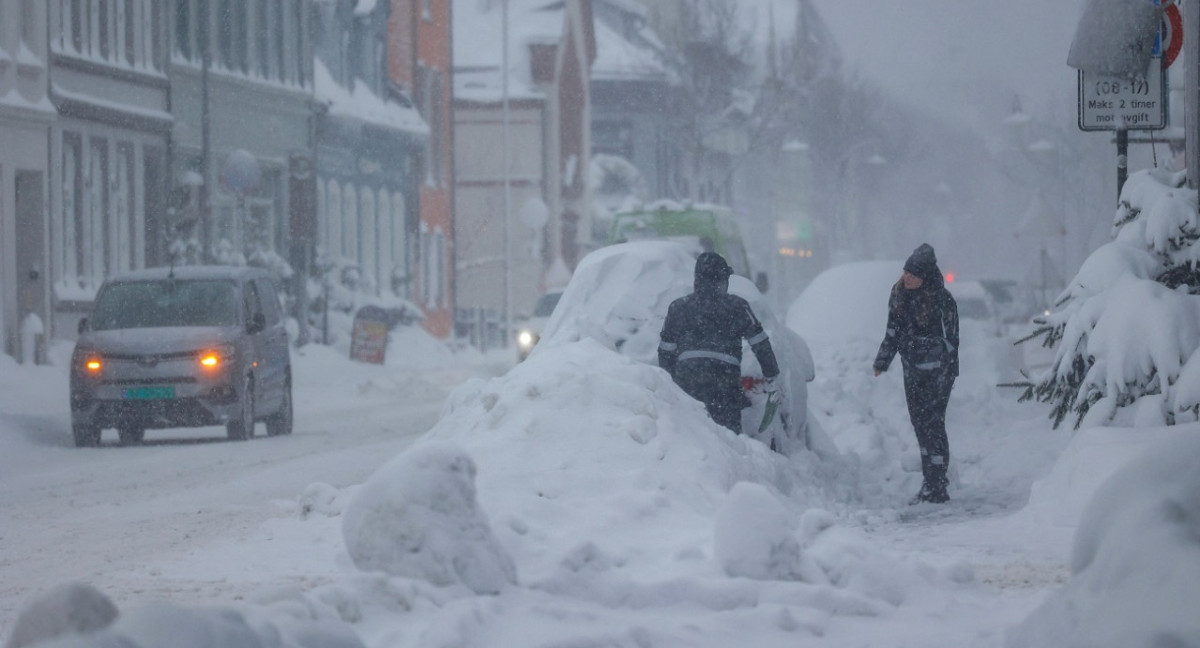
(923, 327)
(701, 343)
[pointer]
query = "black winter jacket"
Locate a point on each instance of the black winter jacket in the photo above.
(923, 327)
(711, 324)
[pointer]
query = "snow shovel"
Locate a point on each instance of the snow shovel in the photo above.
(773, 400)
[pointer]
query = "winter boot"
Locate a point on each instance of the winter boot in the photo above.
(937, 483)
(921, 496)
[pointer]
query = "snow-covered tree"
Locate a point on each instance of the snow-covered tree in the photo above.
(1126, 330)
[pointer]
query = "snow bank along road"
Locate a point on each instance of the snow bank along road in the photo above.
(101, 514)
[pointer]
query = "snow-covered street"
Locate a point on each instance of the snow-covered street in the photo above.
(119, 515)
(577, 498)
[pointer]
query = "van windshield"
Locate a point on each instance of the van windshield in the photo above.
(165, 303)
(545, 304)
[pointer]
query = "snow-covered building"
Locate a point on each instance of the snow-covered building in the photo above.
(631, 91)
(521, 151)
(108, 146)
(369, 141)
(255, 95)
(25, 118)
(419, 53)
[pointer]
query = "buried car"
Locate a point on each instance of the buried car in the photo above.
(619, 294)
(182, 347)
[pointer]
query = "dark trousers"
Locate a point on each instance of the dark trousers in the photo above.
(716, 384)
(928, 393)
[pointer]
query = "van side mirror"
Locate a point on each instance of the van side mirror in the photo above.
(83, 325)
(258, 323)
(760, 281)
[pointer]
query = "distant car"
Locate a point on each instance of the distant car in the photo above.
(1014, 302)
(530, 330)
(187, 347)
(619, 294)
(976, 306)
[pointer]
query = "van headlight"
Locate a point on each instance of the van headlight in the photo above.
(217, 357)
(526, 339)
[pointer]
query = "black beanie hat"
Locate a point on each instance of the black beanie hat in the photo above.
(923, 263)
(711, 268)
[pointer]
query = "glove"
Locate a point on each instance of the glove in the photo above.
(771, 385)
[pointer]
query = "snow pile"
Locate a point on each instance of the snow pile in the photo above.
(845, 303)
(77, 615)
(1136, 559)
(754, 538)
(417, 517)
(619, 499)
(74, 608)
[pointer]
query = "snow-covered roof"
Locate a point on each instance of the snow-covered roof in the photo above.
(617, 58)
(477, 59)
(364, 105)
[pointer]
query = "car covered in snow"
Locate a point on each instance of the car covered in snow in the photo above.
(977, 307)
(619, 296)
(182, 347)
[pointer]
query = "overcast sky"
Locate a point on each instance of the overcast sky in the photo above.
(965, 57)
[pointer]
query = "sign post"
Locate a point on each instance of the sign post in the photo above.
(1125, 103)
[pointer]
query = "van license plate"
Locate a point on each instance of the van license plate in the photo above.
(149, 393)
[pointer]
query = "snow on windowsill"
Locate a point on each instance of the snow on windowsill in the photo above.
(364, 105)
(73, 292)
(130, 109)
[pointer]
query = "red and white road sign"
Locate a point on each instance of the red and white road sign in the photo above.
(1171, 35)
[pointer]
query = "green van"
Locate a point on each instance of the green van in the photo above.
(708, 228)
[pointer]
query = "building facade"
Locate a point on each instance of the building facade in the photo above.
(26, 116)
(241, 91)
(521, 156)
(369, 146)
(108, 146)
(418, 66)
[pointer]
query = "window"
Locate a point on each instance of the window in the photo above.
(350, 233)
(93, 242)
(299, 28)
(72, 206)
(102, 32)
(370, 235)
(278, 34)
(333, 245)
(251, 305)
(434, 118)
(399, 243)
(152, 44)
(124, 223)
(383, 207)
(322, 216)
(29, 25)
(225, 33)
(262, 41)
(77, 24)
(183, 28)
(433, 269)
(270, 301)
(426, 9)
(153, 304)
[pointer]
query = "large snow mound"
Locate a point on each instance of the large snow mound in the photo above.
(618, 496)
(1136, 559)
(846, 302)
(417, 517)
